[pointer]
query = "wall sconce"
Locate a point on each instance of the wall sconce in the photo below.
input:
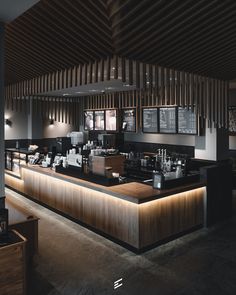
(8, 122)
(51, 122)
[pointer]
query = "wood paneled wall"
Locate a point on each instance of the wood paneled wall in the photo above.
(155, 86)
(60, 109)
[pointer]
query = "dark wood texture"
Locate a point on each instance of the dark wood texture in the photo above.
(193, 36)
(113, 210)
(13, 267)
(25, 223)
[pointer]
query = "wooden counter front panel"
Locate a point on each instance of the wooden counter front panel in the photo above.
(138, 225)
(163, 218)
(111, 215)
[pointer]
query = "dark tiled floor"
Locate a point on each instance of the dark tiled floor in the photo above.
(75, 261)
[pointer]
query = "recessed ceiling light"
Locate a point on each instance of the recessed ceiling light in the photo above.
(113, 68)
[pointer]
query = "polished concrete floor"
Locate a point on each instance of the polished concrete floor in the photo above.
(75, 261)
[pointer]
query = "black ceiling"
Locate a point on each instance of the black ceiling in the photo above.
(194, 36)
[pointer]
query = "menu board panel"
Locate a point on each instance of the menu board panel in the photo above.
(99, 120)
(129, 120)
(150, 120)
(187, 121)
(232, 120)
(88, 120)
(111, 120)
(167, 120)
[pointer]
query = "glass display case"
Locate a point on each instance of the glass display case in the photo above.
(14, 158)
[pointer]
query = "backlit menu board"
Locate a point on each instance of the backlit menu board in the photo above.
(187, 121)
(150, 120)
(99, 120)
(111, 120)
(167, 120)
(88, 120)
(232, 120)
(129, 120)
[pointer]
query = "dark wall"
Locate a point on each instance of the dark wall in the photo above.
(140, 147)
(61, 144)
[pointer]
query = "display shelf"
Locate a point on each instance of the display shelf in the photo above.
(14, 158)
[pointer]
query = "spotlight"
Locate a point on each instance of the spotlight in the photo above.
(51, 122)
(8, 122)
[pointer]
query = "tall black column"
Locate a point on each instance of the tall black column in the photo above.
(2, 120)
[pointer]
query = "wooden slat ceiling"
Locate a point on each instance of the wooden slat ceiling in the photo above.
(193, 36)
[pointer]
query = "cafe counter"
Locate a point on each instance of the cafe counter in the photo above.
(132, 214)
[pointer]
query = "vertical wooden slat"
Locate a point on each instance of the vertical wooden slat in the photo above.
(226, 98)
(54, 108)
(222, 104)
(150, 76)
(216, 101)
(162, 87)
(191, 91)
(32, 89)
(63, 110)
(96, 72)
(69, 110)
(208, 100)
(56, 80)
(6, 98)
(115, 67)
(131, 82)
(58, 110)
(108, 68)
(123, 69)
(74, 77)
(212, 117)
(137, 75)
(74, 112)
(119, 100)
(144, 75)
(184, 89)
(85, 72)
(60, 86)
(45, 84)
(65, 78)
(90, 73)
(80, 75)
(167, 86)
(156, 82)
(172, 87)
(77, 75)
(101, 66)
(200, 96)
(177, 88)
(213, 101)
(219, 103)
